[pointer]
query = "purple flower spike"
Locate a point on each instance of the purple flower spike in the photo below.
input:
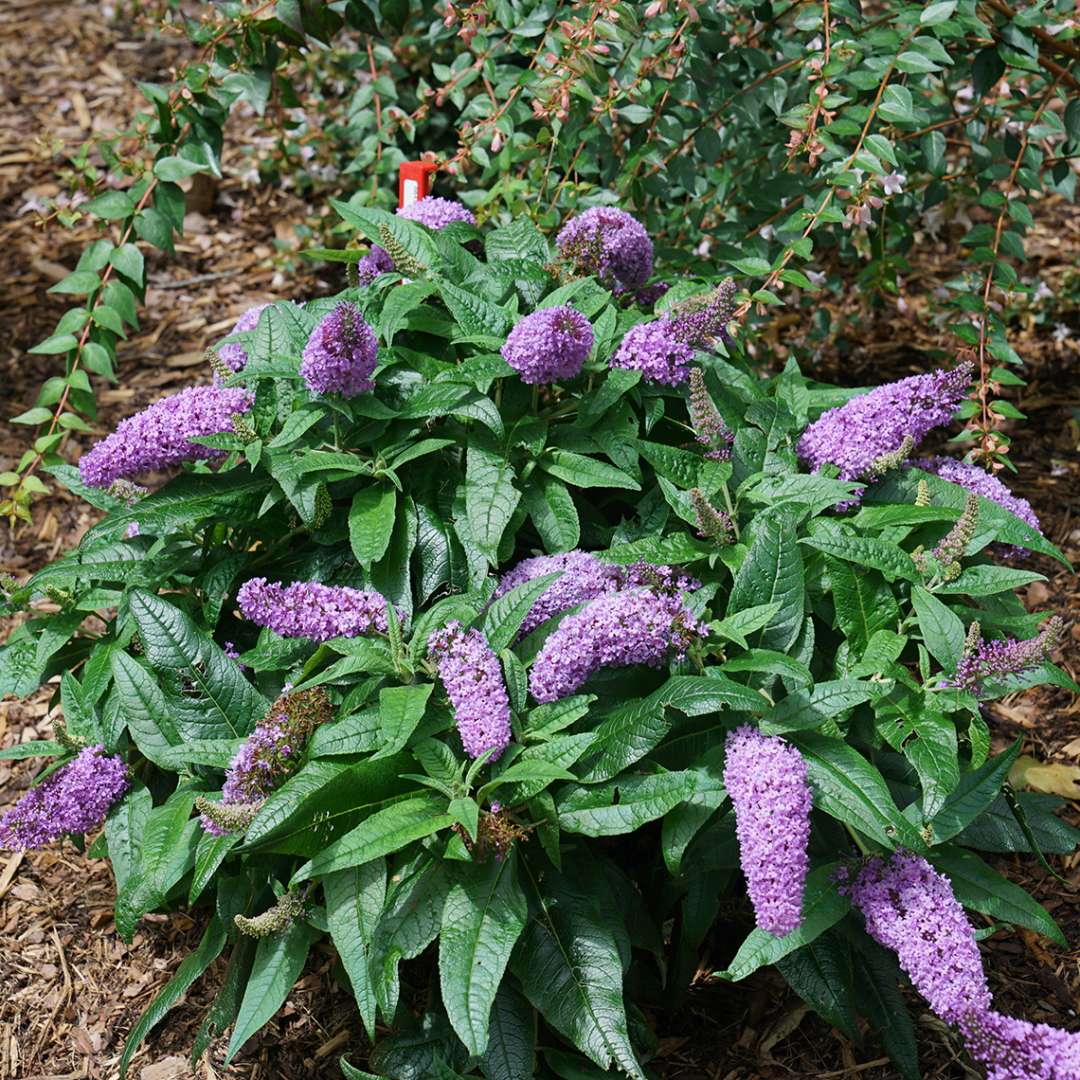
(159, 437)
(910, 908)
(473, 678)
(976, 479)
(1017, 1050)
(609, 243)
(312, 610)
(1004, 656)
(583, 577)
(766, 779)
(856, 435)
(270, 754)
(436, 213)
(74, 799)
(549, 345)
(233, 353)
(618, 629)
(374, 263)
(340, 354)
(654, 349)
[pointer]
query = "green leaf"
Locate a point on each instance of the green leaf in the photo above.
(191, 967)
(896, 105)
(933, 753)
(125, 826)
(570, 968)
(975, 793)
(475, 315)
(37, 748)
(80, 283)
(383, 833)
(166, 853)
(553, 512)
(490, 495)
(279, 959)
(978, 886)
(371, 523)
(823, 907)
(623, 805)
(702, 695)
(504, 617)
(209, 855)
(144, 708)
(585, 472)
(934, 14)
(987, 580)
(511, 1049)
(173, 169)
(482, 920)
(942, 630)
(224, 702)
(772, 573)
(112, 206)
(354, 902)
(624, 736)
(128, 259)
(401, 708)
(821, 974)
(811, 708)
(891, 560)
(849, 788)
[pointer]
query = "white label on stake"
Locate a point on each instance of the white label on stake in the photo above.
(411, 194)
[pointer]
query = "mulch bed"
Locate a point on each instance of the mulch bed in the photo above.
(71, 988)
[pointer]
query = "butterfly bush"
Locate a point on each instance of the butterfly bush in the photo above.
(689, 563)
(549, 345)
(473, 678)
(160, 436)
(609, 243)
(855, 436)
(766, 779)
(309, 609)
(74, 799)
(341, 353)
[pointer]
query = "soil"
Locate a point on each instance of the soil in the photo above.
(71, 987)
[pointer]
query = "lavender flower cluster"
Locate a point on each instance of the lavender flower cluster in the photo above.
(609, 243)
(1004, 656)
(340, 355)
(270, 754)
(377, 261)
(232, 352)
(549, 345)
(160, 436)
(74, 799)
(985, 484)
(656, 351)
(473, 678)
(618, 629)
(436, 213)
(582, 577)
(910, 908)
(310, 609)
(855, 435)
(663, 350)
(766, 778)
